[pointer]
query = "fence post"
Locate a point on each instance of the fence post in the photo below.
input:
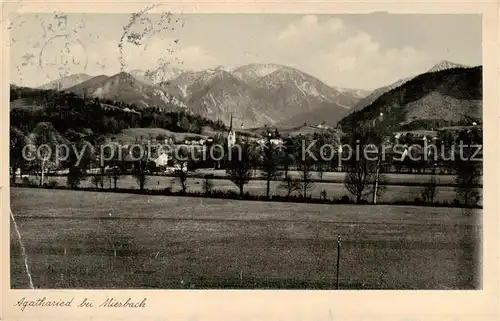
(338, 259)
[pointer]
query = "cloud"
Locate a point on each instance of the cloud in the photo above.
(196, 57)
(308, 28)
(34, 65)
(148, 56)
(336, 51)
(62, 57)
(337, 54)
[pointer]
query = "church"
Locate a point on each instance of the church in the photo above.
(231, 135)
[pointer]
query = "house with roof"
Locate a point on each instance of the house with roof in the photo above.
(162, 160)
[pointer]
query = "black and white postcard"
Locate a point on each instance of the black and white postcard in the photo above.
(174, 149)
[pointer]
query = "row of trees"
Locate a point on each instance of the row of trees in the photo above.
(364, 175)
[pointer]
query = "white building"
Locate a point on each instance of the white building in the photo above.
(276, 141)
(323, 125)
(199, 142)
(162, 160)
(273, 141)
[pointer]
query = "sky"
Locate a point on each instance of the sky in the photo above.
(364, 51)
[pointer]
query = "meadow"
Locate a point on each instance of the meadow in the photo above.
(336, 189)
(77, 239)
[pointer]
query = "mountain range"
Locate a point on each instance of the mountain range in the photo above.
(254, 94)
(126, 88)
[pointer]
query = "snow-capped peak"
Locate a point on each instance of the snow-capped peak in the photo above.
(264, 70)
(226, 68)
(445, 64)
(255, 71)
(160, 75)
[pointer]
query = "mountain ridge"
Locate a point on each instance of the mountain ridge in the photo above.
(376, 93)
(66, 82)
(450, 97)
(256, 94)
(126, 88)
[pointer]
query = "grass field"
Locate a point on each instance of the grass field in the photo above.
(132, 135)
(338, 177)
(77, 239)
(258, 187)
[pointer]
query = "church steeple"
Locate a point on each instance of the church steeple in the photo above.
(231, 135)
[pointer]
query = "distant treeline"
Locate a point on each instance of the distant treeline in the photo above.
(91, 117)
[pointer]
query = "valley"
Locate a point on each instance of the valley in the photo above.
(158, 150)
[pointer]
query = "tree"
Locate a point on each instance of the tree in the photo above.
(45, 140)
(357, 179)
(78, 161)
(325, 149)
(115, 175)
(239, 167)
(321, 167)
(217, 149)
(207, 185)
(17, 142)
(117, 165)
(139, 171)
(181, 161)
(467, 166)
(269, 164)
(291, 185)
(363, 171)
(305, 169)
(379, 133)
(429, 191)
(360, 170)
(378, 186)
(305, 164)
(286, 161)
(97, 180)
(103, 152)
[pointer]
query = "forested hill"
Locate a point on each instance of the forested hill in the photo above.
(451, 97)
(92, 117)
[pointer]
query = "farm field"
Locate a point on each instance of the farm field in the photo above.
(77, 239)
(338, 177)
(258, 187)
